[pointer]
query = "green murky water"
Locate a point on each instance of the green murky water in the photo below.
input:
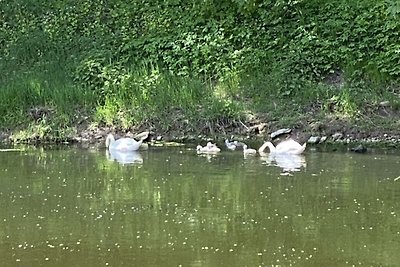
(172, 207)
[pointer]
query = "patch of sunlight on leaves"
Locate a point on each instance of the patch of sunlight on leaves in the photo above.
(37, 87)
(108, 112)
(227, 86)
(38, 131)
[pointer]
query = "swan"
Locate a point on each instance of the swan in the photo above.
(209, 148)
(248, 151)
(285, 147)
(230, 145)
(124, 144)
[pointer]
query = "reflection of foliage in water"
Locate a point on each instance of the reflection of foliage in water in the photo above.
(179, 208)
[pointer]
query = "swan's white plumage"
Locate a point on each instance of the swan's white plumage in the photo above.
(123, 144)
(285, 147)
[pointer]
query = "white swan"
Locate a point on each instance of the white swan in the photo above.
(209, 148)
(248, 151)
(124, 144)
(285, 147)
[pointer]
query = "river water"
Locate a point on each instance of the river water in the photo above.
(172, 207)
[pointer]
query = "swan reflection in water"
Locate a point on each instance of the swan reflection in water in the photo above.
(125, 157)
(288, 162)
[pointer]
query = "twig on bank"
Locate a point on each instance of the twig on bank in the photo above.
(244, 125)
(395, 179)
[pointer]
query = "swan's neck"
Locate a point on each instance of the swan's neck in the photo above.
(265, 145)
(140, 141)
(110, 139)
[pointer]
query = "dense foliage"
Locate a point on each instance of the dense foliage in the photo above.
(119, 53)
(205, 36)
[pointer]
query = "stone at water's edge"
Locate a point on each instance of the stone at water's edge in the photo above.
(313, 140)
(337, 136)
(280, 132)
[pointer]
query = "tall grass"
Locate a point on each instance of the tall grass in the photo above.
(150, 95)
(45, 87)
(284, 96)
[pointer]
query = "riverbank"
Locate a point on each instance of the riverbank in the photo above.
(374, 132)
(188, 110)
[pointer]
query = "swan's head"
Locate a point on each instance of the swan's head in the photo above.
(209, 144)
(199, 147)
(244, 147)
(109, 140)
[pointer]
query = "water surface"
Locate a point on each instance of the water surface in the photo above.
(172, 207)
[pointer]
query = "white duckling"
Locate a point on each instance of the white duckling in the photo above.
(230, 145)
(248, 151)
(124, 144)
(209, 148)
(285, 147)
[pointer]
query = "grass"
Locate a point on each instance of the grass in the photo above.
(146, 96)
(47, 90)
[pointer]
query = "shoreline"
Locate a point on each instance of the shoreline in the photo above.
(95, 137)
